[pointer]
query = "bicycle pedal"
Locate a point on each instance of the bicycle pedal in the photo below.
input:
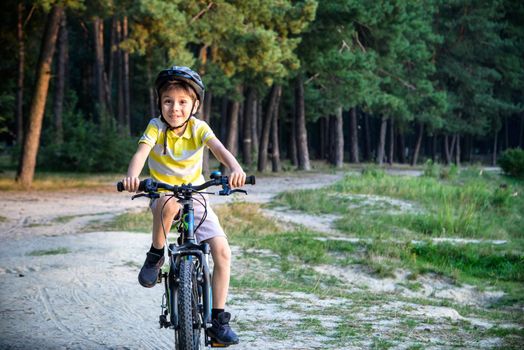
(215, 344)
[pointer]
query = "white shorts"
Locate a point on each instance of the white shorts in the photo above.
(210, 228)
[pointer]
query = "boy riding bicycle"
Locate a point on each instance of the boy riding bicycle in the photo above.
(173, 144)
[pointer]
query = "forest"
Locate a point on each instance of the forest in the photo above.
(287, 82)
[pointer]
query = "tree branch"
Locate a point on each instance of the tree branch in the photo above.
(359, 43)
(311, 79)
(29, 15)
(405, 83)
(201, 13)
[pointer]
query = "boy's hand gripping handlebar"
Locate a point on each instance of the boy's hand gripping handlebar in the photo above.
(151, 186)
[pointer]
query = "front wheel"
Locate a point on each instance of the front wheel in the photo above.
(187, 333)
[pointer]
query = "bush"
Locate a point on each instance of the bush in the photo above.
(436, 171)
(373, 171)
(512, 162)
(431, 169)
(87, 147)
(450, 172)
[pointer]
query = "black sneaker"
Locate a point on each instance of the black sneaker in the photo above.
(220, 331)
(149, 272)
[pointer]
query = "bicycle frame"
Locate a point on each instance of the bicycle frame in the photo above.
(188, 249)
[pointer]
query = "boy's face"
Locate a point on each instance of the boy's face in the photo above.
(176, 106)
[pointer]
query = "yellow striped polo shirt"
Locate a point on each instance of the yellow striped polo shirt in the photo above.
(182, 161)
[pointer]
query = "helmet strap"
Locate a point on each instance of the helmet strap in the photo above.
(169, 127)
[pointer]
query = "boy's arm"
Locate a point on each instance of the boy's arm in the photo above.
(237, 178)
(131, 181)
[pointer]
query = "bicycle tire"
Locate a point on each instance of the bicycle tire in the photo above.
(188, 332)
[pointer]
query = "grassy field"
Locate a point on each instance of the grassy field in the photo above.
(461, 229)
(406, 213)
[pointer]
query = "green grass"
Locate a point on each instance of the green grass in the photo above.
(485, 265)
(469, 205)
(3, 218)
(63, 219)
(56, 251)
(131, 222)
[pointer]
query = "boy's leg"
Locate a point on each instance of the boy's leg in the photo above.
(221, 331)
(155, 257)
(221, 254)
(171, 209)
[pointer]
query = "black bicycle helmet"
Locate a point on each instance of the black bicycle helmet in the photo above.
(184, 74)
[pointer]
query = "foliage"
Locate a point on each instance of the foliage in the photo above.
(436, 170)
(87, 147)
(512, 162)
(453, 66)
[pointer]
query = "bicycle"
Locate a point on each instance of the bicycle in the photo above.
(187, 299)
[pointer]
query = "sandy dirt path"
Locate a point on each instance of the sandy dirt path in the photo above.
(88, 297)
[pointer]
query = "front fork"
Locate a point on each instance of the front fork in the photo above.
(169, 314)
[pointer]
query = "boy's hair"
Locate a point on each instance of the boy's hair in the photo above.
(178, 85)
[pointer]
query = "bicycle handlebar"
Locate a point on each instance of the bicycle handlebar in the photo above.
(150, 185)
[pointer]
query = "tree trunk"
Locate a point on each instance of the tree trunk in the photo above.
(20, 81)
(293, 141)
(120, 77)
(452, 147)
(506, 134)
(327, 138)
(467, 152)
(434, 147)
(58, 103)
(339, 139)
(391, 140)
(247, 142)
(112, 54)
(260, 117)
(127, 94)
(367, 133)
(331, 137)
(495, 146)
(353, 131)
(302, 145)
(223, 118)
(275, 154)
(254, 127)
(36, 114)
(417, 145)
(101, 99)
(240, 137)
(264, 138)
(521, 132)
(457, 153)
(152, 99)
(232, 130)
(382, 141)
(322, 121)
(401, 147)
(447, 151)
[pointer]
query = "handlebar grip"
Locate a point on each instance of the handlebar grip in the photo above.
(250, 180)
(143, 185)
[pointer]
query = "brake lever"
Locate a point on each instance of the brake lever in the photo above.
(239, 191)
(148, 195)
